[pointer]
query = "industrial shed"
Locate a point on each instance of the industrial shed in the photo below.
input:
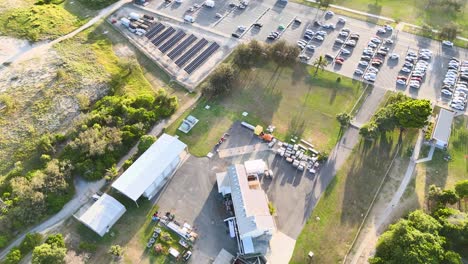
(102, 214)
(443, 128)
(148, 174)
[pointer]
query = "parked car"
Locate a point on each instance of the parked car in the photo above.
(341, 20)
(447, 43)
(394, 56)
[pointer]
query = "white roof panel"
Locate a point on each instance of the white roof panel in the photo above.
(443, 127)
(255, 166)
(103, 214)
(248, 246)
(149, 166)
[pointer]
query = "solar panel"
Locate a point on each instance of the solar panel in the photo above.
(167, 33)
(179, 49)
(152, 30)
(201, 58)
(171, 42)
(157, 29)
(191, 52)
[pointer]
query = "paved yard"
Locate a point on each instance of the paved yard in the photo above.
(193, 197)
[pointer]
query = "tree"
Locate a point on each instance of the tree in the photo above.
(56, 240)
(221, 80)
(48, 254)
(242, 58)
(404, 243)
(97, 140)
(283, 54)
(325, 3)
(412, 113)
(13, 257)
(344, 119)
(385, 119)
(30, 241)
(111, 173)
(449, 31)
(145, 142)
(116, 250)
(369, 131)
(448, 197)
(320, 63)
(461, 188)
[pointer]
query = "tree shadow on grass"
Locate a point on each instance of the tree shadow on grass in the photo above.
(296, 126)
(368, 166)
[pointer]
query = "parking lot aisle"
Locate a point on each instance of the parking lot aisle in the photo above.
(241, 17)
(271, 21)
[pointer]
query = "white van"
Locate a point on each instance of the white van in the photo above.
(189, 19)
(140, 32)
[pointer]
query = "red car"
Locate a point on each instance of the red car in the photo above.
(401, 77)
(416, 78)
(339, 60)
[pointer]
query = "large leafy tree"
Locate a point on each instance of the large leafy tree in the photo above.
(284, 54)
(412, 113)
(461, 188)
(415, 240)
(221, 80)
(48, 254)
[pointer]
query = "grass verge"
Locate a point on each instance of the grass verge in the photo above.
(291, 99)
(346, 200)
(417, 31)
(35, 23)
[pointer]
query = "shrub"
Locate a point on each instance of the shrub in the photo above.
(116, 250)
(3, 239)
(272, 208)
(13, 257)
(56, 240)
(145, 142)
(30, 241)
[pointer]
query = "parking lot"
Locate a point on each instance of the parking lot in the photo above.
(273, 15)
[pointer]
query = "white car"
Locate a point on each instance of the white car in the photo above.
(310, 32)
(381, 31)
(329, 13)
(446, 92)
(363, 63)
(339, 41)
(341, 20)
(388, 27)
(345, 52)
(310, 47)
(343, 34)
(321, 33)
(376, 40)
(400, 82)
(358, 72)
(414, 85)
(447, 43)
(368, 52)
(218, 15)
(388, 41)
(394, 56)
(457, 107)
(372, 45)
(320, 38)
(370, 78)
(242, 28)
(406, 70)
(373, 69)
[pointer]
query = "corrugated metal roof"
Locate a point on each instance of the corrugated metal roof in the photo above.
(149, 166)
(443, 127)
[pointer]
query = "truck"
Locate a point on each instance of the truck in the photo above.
(124, 21)
(209, 3)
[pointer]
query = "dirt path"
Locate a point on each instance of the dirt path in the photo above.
(383, 212)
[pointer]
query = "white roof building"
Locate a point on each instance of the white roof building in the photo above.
(103, 214)
(443, 128)
(152, 169)
(255, 224)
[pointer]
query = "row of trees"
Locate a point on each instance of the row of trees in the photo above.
(246, 56)
(400, 112)
(438, 237)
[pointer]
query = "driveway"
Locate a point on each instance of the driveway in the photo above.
(193, 197)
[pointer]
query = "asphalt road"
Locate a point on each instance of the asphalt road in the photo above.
(271, 15)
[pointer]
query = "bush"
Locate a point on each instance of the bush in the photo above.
(3, 239)
(272, 208)
(145, 142)
(13, 257)
(127, 164)
(116, 250)
(56, 240)
(30, 241)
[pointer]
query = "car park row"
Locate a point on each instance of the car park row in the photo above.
(455, 84)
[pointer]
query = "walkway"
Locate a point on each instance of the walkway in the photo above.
(224, 153)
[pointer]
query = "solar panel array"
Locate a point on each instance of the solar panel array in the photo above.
(201, 58)
(179, 49)
(191, 52)
(171, 42)
(167, 33)
(155, 30)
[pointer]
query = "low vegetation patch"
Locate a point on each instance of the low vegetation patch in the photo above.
(299, 100)
(335, 220)
(97, 4)
(39, 22)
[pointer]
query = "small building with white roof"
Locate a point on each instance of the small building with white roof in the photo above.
(443, 128)
(253, 222)
(148, 174)
(102, 214)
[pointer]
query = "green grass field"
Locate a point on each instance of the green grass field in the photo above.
(346, 200)
(416, 12)
(440, 172)
(290, 99)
